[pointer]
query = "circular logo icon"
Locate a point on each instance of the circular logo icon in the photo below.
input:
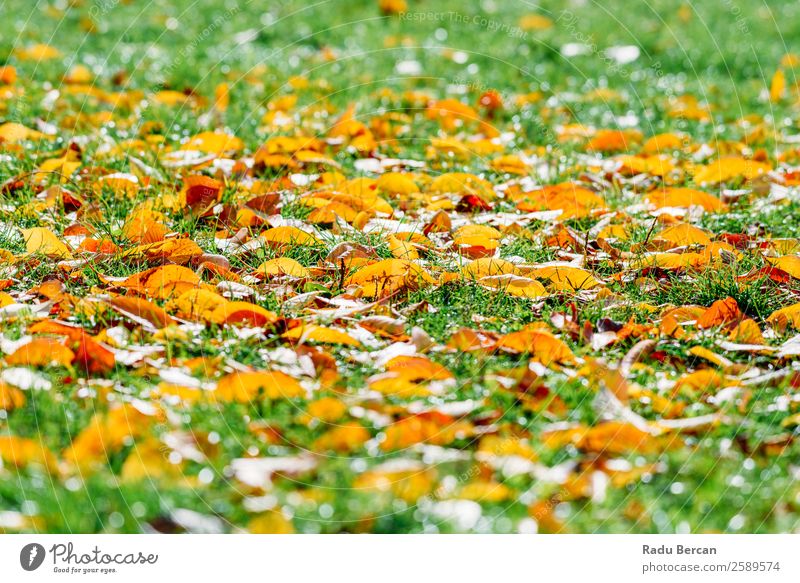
(31, 556)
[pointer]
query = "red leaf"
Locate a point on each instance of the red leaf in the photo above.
(471, 203)
(775, 274)
(93, 358)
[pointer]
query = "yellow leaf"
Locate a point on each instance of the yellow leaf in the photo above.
(462, 183)
(222, 96)
(726, 169)
(789, 263)
(747, 332)
(785, 317)
(396, 385)
(289, 236)
(712, 357)
(477, 231)
(270, 523)
(123, 185)
(611, 140)
(63, 167)
(389, 7)
(149, 461)
(483, 245)
(488, 266)
(402, 249)
(565, 277)
(790, 60)
(171, 97)
(214, 143)
(12, 133)
(535, 22)
(319, 334)
(515, 285)
(396, 183)
(282, 266)
(672, 260)
(684, 234)
(486, 492)
(44, 241)
(496, 445)
(8, 75)
(614, 232)
(79, 75)
(777, 88)
(330, 212)
(37, 52)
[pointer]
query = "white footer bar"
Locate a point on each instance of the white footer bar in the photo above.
(400, 558)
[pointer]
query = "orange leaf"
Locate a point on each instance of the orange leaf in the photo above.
(387, 276)
(108, 433)
(41, 352)
(21, 452)
(418, 368)
(343, 438)
(244, 387)
(176, 250)
(92, 357)
(684, 198)
(10, 397)
(721, 312)
(201, 191)
(288, 236)
(433, 429)
(162, 282)
(141, 311)
(538, 343)
(242, 313)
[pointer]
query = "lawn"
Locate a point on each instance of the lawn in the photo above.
(399, 267)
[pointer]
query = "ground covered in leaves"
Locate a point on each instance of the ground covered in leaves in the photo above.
(399, 268)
